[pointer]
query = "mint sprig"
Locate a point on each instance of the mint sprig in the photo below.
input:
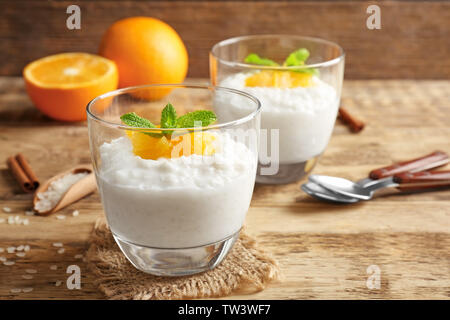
(133, 120)
(253, 58)
(296, 58)
(169, 119)
(193, 119)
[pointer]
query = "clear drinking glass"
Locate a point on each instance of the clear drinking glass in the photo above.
(181, 212)
(299, 103)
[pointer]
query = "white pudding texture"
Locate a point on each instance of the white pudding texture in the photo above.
(176, 203)
(305, 116)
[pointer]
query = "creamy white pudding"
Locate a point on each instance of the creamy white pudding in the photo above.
(179, 202)
(305, 116)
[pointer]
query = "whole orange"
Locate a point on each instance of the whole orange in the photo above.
(146, 51)
(61, 85)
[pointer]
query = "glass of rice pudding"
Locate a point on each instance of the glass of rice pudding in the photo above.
(175, 178)
(298, 81)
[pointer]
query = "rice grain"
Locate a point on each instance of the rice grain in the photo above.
(31, 271)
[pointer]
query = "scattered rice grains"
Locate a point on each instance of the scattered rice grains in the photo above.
(31, 271)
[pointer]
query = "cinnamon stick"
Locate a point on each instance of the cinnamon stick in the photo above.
(354, 124)
(23, 173)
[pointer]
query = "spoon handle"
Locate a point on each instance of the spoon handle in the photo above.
(433, 160)
(409, 181)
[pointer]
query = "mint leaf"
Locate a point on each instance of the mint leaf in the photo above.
(133, 120)
(188, 120)
(253, 58)
(168, 118)
(297, 58)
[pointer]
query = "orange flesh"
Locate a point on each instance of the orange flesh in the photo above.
(148, 147)
(69, 69)
(279, 79)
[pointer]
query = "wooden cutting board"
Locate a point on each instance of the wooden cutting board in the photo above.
(324, 250)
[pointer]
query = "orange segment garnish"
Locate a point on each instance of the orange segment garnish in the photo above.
(279, 79)
(148, 147)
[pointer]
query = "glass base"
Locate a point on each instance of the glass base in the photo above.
(287, 173)
(176, 262)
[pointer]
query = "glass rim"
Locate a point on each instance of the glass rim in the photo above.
(120, 91)
(280, 68)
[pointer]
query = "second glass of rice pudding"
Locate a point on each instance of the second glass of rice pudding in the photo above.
(298, 81)
(175, 199)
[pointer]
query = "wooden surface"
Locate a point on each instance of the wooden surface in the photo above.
(323, 249)
(413, 42)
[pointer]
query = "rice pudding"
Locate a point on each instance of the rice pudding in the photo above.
(304, 115)
(179, 202)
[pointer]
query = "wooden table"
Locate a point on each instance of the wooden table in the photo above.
(323, 249)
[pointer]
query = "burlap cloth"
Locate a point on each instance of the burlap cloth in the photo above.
(246, 269)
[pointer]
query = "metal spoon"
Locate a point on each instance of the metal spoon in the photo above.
(318, 192)
(407, 181)
(433, 160)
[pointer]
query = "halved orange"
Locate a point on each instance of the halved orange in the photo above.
(61, 85)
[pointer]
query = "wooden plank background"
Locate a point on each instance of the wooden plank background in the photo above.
(413, 43)
(323, 249)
